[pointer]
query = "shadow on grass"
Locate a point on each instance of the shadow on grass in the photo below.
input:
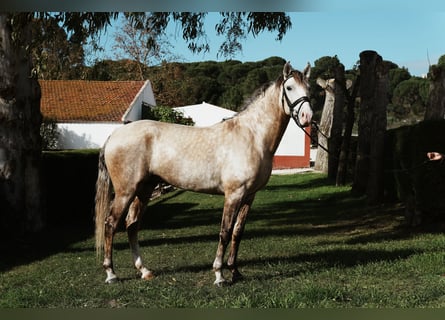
(336, 213)
(309, 262)
(52, 240)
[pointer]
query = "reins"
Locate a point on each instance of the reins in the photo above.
(314, 124)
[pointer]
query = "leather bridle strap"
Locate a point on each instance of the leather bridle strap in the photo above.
(299, 102)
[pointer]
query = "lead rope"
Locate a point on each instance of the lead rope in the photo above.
(315, 125)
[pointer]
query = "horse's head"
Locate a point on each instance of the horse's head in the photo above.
(295, 94)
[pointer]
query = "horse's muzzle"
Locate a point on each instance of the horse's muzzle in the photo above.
(305, 118)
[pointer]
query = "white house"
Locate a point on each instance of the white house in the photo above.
(87, 112)
(205, 114)
(292, 152)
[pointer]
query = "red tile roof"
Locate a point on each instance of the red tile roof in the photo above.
(85, 101)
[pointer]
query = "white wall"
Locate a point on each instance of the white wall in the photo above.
(205, 114)
(293, 141)
(84, 135)
(134, 111)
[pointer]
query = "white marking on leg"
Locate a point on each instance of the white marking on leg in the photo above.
(138, 262)
(217, 267)
(111, 276)
(146, 274)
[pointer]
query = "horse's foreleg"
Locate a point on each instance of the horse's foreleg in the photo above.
(231, 207)
(236, 238)
(132, 222)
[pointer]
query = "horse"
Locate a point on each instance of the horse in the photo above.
(231, 158)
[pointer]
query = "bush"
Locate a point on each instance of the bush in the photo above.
(410, 177)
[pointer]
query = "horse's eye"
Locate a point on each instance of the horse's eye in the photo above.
(289, 88)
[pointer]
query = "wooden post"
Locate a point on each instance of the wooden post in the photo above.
(337, 122)
(374, 84)
(321, 160)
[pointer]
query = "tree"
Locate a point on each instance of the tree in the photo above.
(323, 68)
(20, 118)
(409, 100)
(234, 26)
(436, 104)
(56, 56)
(142, 45)
(166, 114)
(19, 129)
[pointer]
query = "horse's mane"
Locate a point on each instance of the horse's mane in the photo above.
(260, 91)
(255, 95)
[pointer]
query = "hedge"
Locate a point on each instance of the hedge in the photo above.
(69, 179)
(410, 177)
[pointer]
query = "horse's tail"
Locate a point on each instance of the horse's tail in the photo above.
(103, 201)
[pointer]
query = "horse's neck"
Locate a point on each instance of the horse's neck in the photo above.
(267, 120)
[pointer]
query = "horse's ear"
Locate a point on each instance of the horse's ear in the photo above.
(287, 70)
(307, 71)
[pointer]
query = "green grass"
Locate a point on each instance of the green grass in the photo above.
(306, 244)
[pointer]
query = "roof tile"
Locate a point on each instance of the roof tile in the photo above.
(87, 101)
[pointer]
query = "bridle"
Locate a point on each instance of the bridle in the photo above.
(299, 102)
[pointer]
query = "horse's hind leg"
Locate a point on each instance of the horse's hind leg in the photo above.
(133, 221)
(120, 205)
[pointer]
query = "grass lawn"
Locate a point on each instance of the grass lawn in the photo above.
(306, 244)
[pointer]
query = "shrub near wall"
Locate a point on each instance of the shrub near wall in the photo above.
(410, 177)
(69, 179)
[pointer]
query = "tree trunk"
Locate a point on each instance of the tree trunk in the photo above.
(321, 160)
(346, 141)
(375, 186)
(337, 122)
(436, 104)
(20, 143)
(374, 83)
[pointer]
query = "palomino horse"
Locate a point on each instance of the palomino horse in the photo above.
(232, 158)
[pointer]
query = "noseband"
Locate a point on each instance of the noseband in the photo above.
(299, 102)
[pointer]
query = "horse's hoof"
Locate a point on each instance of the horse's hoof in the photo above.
(112, 280)
(148, 275)
(237, 277)
(221, 283)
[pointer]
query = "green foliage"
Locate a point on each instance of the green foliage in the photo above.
(233, 26)
(397, 75)
(306, 244)
(109, 70)
(227, 84)
(409, 101)
(165, 114)
(324, 68)
(49, 134)
(441, 61)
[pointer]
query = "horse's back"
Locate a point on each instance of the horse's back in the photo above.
(181, 155)
(204, 159)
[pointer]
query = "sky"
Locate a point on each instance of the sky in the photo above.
(413, 39)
